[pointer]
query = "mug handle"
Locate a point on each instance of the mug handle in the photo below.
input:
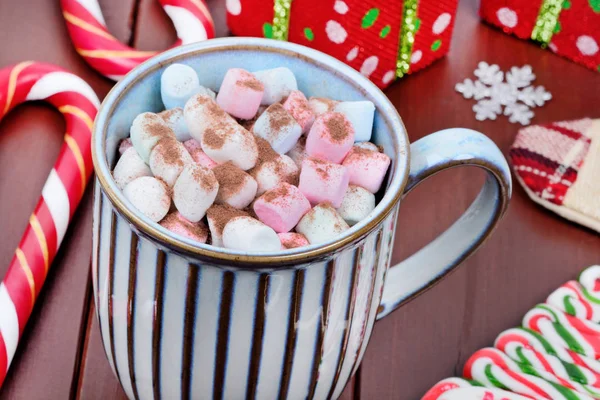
(432, 154)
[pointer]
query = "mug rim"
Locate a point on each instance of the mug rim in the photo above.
(217, 255)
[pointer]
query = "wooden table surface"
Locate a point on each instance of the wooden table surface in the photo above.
(60, 354)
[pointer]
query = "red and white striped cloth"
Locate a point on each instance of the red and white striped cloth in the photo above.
(61, 194)
(558, 164)
(113, 59)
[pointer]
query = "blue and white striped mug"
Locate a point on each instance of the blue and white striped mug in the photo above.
(186, 320)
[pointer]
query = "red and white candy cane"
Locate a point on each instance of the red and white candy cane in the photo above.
(113, 59)
(61, 194)
(446, 385)
(574, 299)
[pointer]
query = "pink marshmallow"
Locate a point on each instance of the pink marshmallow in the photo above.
(176, 223)
(330, 138)
(240, 93)
(323, 181)
(366, 168)
(124, 145)
(297, 105)
(281, 208)
(199, 156)
(292, 240)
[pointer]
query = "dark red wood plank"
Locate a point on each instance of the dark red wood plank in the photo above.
(30, 138)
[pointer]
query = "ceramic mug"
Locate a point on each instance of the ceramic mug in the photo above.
(185, 320)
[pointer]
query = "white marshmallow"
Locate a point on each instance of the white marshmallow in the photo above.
(360, 114)
(175, 120)
(298, 152)
(124, 145)
(321, 224)
(230, 142)
(217, 216)
(150, 196)
(146, 130)
(271, 173)
(249, 234)
(129, 167)
(167, 160)
(356, 205)
(367, 146)
(178, 83)
(201, 112)
(195, 191)
(278, 83)
(236, 187)
(321, 105)
(278, 127)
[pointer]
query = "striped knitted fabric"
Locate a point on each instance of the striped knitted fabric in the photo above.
(558, 164)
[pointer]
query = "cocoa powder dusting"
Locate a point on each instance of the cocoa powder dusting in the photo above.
(273, 194)
(212, 139)
(338, 127)
(167, 114)
(265, 151)
(360, 153)
(278, 117)
(198, 229)
(294, 242)
(322, 168)
(205, 177)
(170, 150)
(231, 180)
(159, 129)
(220, 214)
(252, 84)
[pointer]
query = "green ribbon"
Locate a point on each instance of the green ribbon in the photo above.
(408, 30)
(546, 21)
(281, 19)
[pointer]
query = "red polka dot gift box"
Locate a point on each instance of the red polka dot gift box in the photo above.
(570, 28)
(383, 39)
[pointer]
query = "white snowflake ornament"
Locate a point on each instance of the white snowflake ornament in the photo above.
(507, 93)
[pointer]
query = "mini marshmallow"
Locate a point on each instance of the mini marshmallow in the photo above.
(321, 105)
(321, 224)
(146, 130)
(367, 146)
(199, 156)
(236, 187)
(175, 120)
(124, 145)
(201, 112)
(278, 83)
(249, 234)
(330, 138)
(129, 167)
(323, 181)
(272, 168)
(281, 208)
(230, 142)
(178, 83)
(297, 106)
(278, 128)
(176, 223)
(298, 152)
(240, 93)
(292, 240)
(360, 114)
(167, 160)
(218, 215)
(195, 191)
(150, 196)
(366, 168)
(356, 205)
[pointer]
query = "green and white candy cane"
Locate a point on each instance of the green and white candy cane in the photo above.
(531, 349)
(560, 329)
(590, 280)
(574, 299)
(494, 369)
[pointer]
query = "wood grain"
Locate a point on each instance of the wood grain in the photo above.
(532, 252)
